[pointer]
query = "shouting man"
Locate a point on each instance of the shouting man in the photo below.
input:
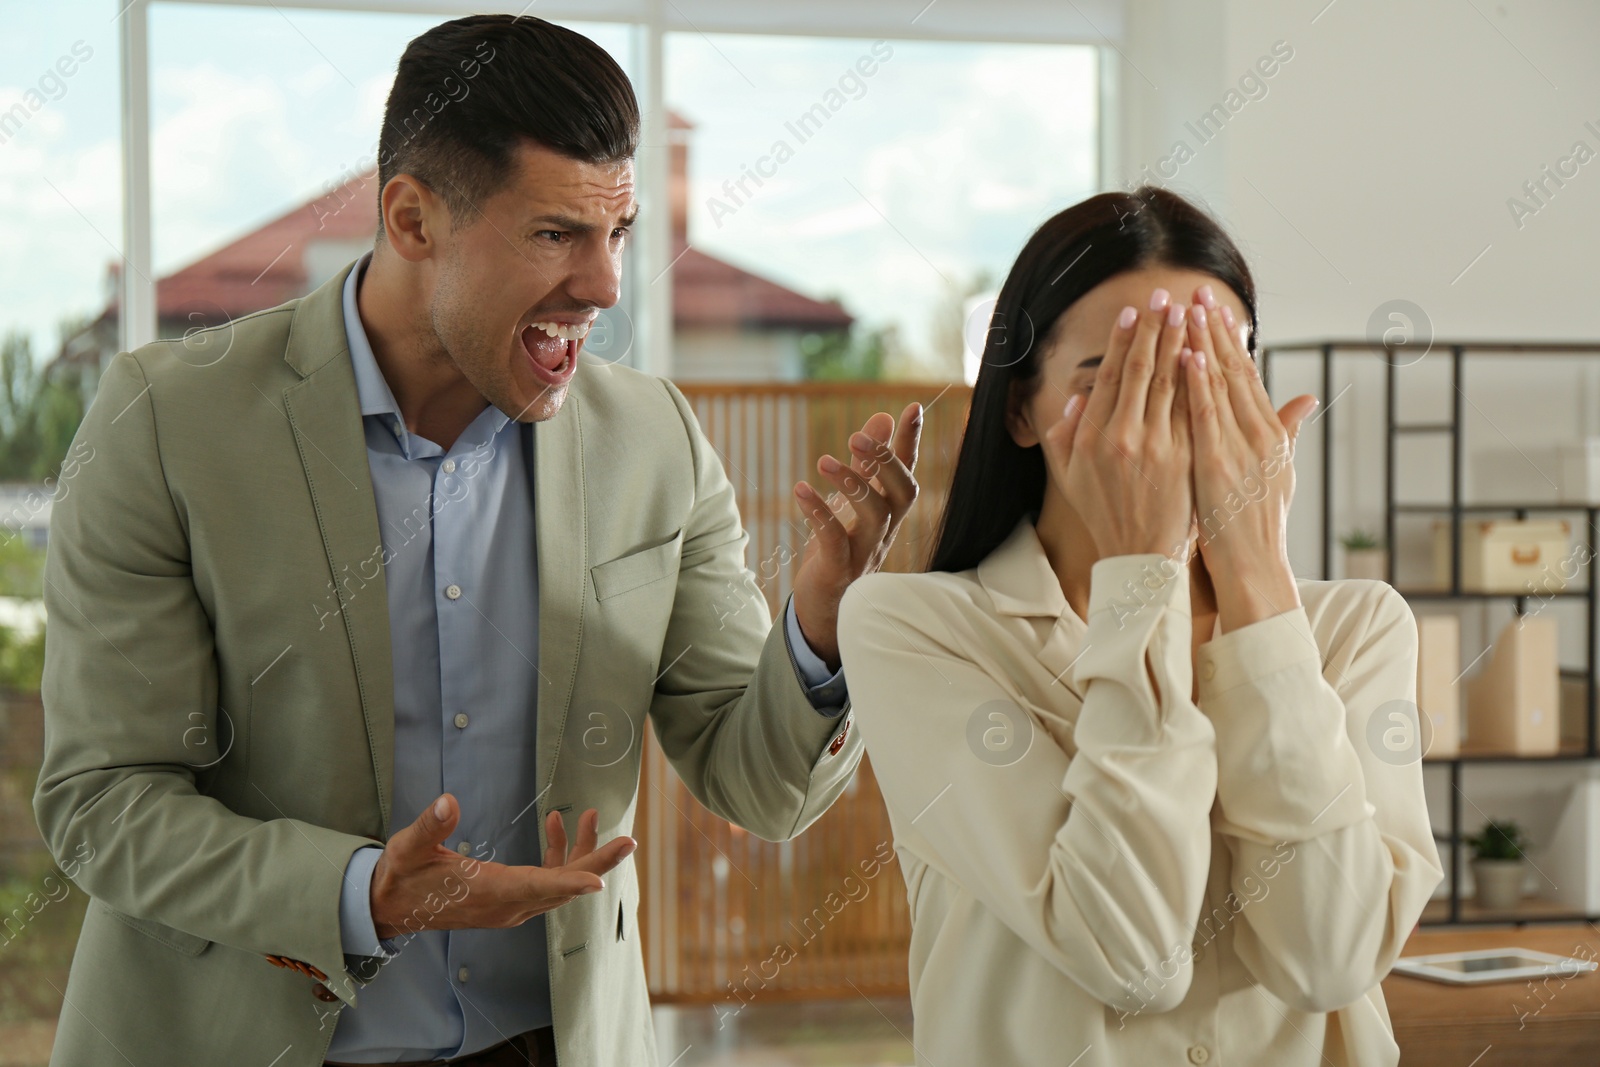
(359, 609)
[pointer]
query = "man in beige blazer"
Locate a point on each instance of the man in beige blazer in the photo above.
(219, 677)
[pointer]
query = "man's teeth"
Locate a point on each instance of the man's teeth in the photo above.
(566, 333)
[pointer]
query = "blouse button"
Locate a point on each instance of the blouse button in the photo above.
(1198, 1054)
(1208, 670)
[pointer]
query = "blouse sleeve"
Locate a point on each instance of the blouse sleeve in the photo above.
(1098, 860)
(1333, 850)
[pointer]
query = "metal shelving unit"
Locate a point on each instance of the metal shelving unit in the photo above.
(1457, 911)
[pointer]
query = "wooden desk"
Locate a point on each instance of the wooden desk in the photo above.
(1553, 1021)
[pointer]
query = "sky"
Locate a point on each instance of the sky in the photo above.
(928, 170)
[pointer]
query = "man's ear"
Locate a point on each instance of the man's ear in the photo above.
(412, 214)
(1017, 421)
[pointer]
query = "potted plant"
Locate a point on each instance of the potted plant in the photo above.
(1364, 555)
(1498, 866)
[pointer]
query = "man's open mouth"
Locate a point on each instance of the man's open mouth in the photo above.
(552, 348)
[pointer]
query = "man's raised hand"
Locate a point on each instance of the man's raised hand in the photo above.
(420, 884)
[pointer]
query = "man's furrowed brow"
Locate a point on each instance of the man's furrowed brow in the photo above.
(575, 225)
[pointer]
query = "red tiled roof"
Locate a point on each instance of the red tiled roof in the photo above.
(709, 292)
(267, 266)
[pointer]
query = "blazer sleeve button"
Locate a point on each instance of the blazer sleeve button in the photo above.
(838, 742)
(323, 993)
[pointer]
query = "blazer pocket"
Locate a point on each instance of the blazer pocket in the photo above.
(178, 940)
(636, 569)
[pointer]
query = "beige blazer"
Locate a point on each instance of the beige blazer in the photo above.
(218, 687)
(1102, 872)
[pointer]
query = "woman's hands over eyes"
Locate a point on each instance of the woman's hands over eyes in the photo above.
(1179, 426)
(1124, 458)
(1243, 453)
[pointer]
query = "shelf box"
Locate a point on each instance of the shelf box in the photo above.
(1438, 691)
(1580, 472)
(1514, 702)
(1571, 858)
(1527, 556)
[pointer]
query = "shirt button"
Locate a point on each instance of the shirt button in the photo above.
(464, 847)
(462, 974)
(1197, 1053)
(449, 466)
(1208, 670)
(461, 720)
(452, 591)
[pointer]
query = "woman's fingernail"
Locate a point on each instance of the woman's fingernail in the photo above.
(1175, 315)
(1158, 300)
(1227, 316)
(830, 464)
(1198, 313)
(860, 442)
(1185, 354)
(1206, 297)
(1199, 359)
(1128, 317)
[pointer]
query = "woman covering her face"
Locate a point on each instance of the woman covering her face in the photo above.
(1123, 748)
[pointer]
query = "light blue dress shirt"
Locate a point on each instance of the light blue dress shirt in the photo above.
(462, 580)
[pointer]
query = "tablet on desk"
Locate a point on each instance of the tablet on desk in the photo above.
(1491, 965)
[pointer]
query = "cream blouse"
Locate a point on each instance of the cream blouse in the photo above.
(1102, 872)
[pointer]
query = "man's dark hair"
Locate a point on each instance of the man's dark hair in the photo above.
(467, 92)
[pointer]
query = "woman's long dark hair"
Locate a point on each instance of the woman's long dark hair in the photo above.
(997, 482)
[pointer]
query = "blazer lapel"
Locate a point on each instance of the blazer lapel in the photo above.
(325, 415)
(561, 530)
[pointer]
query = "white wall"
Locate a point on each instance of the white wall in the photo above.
(1380, 160)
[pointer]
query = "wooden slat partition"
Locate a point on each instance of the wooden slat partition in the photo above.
(727, 917)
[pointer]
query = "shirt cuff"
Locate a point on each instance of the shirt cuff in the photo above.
(827, 692)
(357, 933)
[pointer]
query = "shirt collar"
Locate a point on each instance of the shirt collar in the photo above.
(371, 387)
(1020, 581)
